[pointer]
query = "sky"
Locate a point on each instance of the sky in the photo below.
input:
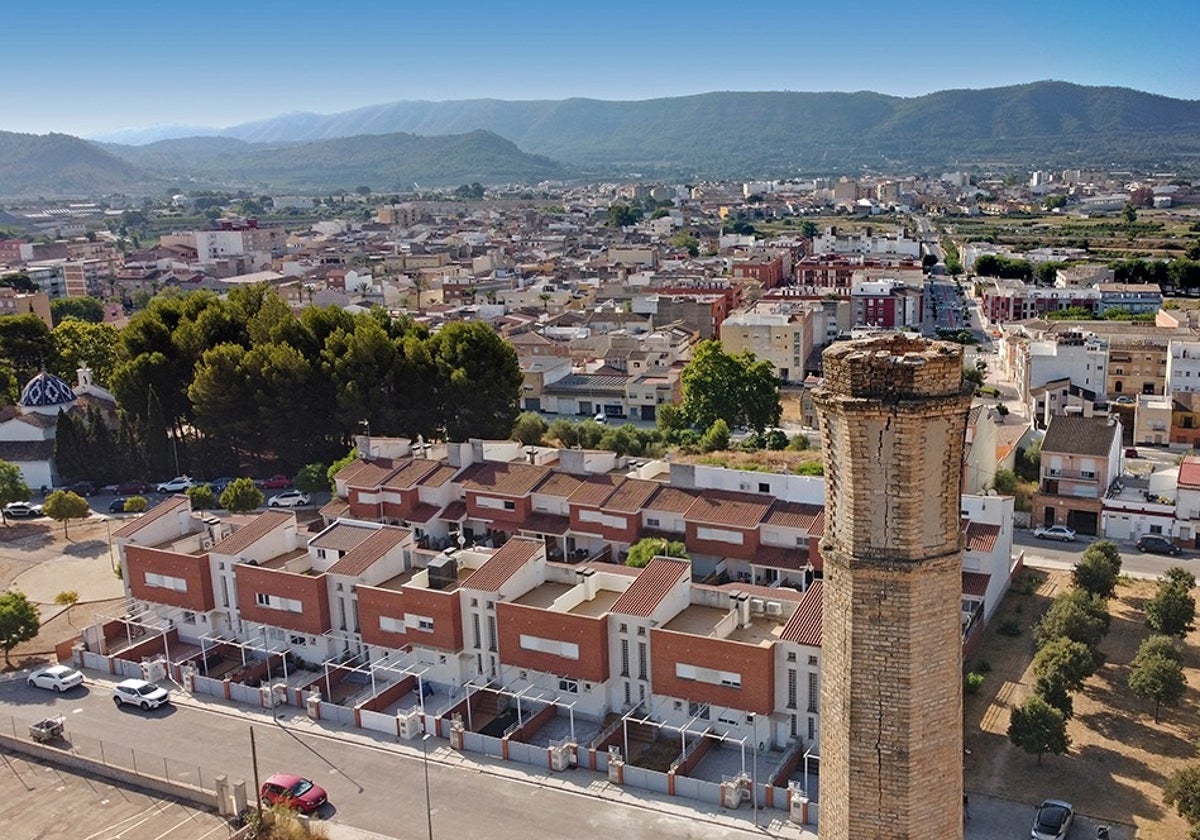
(83, 68)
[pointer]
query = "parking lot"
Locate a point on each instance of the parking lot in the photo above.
(45, 802)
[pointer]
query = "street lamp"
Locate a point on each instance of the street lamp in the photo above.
(750, 717)
(425, 736)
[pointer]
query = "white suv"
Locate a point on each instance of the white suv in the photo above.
(176, 485)
(144, 695)
(289, 498)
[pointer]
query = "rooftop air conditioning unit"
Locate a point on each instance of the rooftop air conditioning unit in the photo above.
(206, 542)
(756, 605)
(774, 608)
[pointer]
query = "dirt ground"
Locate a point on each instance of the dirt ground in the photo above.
(23, 544)
(1119, 758)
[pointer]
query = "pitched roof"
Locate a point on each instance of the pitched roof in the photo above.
(359, 559)
(793, 515)
(1079, 436)
(334, 508)
(975, 583)
(726, 507)
(804, 627)
(365, 474)
(255, 530)
(502, 565)
(652, 585)
(981, 537)
(502, 478)
(560, 484)
(672, 499)
(410, 474)
(631, 495)
(1189, 471)
(546, 523)
(594, 489)
(440, 476)
(454, 512)
(422, 513)
(166, 507)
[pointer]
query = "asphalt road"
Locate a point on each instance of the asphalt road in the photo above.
(1048, 554)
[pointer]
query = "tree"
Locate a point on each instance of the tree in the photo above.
(135, 504)
(741, 390)
(63, 506)
(687, 241)
(1129, 213)
(1066, 662)
(78, 343)
(623, 215)
(1051, 689)
(478, 381)
(1182, 790)
(1172, 610)
(84, 308)
(25, 341)
(1038, 728)
(241, 496)
(928, 261)
(12, 487)
(20, 621)
(202, 497)
(339, 465)
(1005, 482)
(1078, 615)
(1181, 576)
(564, 432)
(312, 478)
(1157, 676)
(530, 428)
(1098, 569)
(647, 548)
(716, 439)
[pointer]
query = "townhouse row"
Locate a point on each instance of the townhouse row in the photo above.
(499, 573)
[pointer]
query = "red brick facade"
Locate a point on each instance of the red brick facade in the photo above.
(588, 633)
(754, 663)
(309, 590)
(445, 608)
(500, 515)
(628, 534)
(746, 551)
(194, 570)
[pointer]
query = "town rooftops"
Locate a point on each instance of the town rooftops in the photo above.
(1189, 472)
(560, 484)
(672, 500)
(1079, 436)
(594, 489)
(358, 559)
(505, 563)
(253, 531)
(366, 474)
(505, 479)
(342, 536)
(410, 474)
(981, 537)
(653, 583)
(631, 495)
(166, 507)
(726, 507)
(793, 515)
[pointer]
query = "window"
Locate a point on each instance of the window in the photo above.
(699, 710)
(567, 650)
(262, 599)
(812, 691)
(425, 624)
(812, 660)
(624, 657)
(510, 505)
(764, 487)
(391, 625)
(791, 688)
(624, 628)
(491, 627)
(166, 582)
(641, 631)
(791, 657)
(812, 728)
(299, 641)
(570, 686)
(628, 695)
(189, 617)
(642, 669)
(475, 631)
(474, 602)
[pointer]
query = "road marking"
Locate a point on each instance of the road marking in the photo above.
(189, 818)
(103, 832)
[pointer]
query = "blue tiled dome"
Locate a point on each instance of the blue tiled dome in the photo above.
(45, 390)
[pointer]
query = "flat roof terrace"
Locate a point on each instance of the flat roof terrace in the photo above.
(703, 621)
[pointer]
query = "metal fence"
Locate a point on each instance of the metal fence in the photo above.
(378, 721)
(699, 789)
(121, 756)
(527, 753)
(337, 714)
(640, 777)
(242, 693)
(209, 686)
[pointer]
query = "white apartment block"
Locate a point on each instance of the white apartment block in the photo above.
(782, 334)
(1183, 367)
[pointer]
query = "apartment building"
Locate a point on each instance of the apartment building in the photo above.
(1182, 374)
(887, 304)
(781, 333)
(82, 278)
(13, 302)
(482, 568)
(1081, 458)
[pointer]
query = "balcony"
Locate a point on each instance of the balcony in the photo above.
(1070, 475)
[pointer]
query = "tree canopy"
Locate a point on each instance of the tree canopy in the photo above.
(19, 621)
(63, 506)
(1157, 676)
(12, 486)
(83, 308)
(647, 548)
(739, 389)
(1172, 610)
(1098, 569)
(1038, 728)
(241, 496)
(1078, 615)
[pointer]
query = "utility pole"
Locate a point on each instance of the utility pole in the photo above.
(254, 764)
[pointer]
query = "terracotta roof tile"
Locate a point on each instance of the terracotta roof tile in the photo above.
(975, 583)
(804, 627)
(422, 513)
(725, 507)
(1071, 435)
(594, 489)
(359, 559)
(981, 537)
(166, 507)
(546, 523)
(1189, 471)
(503, 479)
(651, 586)
(440, 476)
(367, 475)
(560, 484)
(502, 565)
(454, 512)
(672, 500)
(255, 530)
(410, 474)
(334, 508)
(793, 515)
(631, 495)
(777, 557)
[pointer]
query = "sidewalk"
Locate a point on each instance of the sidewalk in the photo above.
(580, 782)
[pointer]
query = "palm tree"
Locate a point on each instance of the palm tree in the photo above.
(545, 298)
(418, 283)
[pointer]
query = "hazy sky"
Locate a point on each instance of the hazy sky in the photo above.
(87, 67)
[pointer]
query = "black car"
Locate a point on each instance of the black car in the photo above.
(1157, 545)
(117, 505)
(81, 488)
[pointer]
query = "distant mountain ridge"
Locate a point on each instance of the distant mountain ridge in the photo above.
(746, 134)
(62, 165)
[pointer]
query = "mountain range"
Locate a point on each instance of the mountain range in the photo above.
(720, 134)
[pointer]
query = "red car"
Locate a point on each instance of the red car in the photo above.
(276, 482)
(132, 488)
(293, 792)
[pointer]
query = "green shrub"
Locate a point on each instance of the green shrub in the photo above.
(973, 683)
(1009, 627)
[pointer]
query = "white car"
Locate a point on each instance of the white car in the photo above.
(55, 678)
(145, 695)
(22, 510)
(289, 498)
(1055, 532)
(176, 485)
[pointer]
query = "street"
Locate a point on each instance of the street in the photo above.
(1046, 554)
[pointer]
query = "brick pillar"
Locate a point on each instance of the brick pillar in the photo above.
(893, 415)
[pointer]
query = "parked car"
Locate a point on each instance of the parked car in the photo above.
(144, 695)
(132, 488)
(275, 482)
(289, 498)
(293, 792)
(81, 488)
(1130, 452)
(1052, 820)
(117, 505)
(55, 678)
(218, 485)
(1055, 532)
(22, 510)
(1157, 545)
(176, 485)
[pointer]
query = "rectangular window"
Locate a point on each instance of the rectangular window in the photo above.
(764, 487)
(699, 710)
(166, 582)
(624, 657)
(299, 641)
(720, 535)
(477, 643)
(569, 686)
(425, 624)
(567, 650)
(812, 729)
(491, 629)
(510, 506)
(791, 688)
(642, 668)
(391, 625)
(262, 599)
(189, 617)
(813, 691)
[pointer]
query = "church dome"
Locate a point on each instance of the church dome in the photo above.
(46, 390)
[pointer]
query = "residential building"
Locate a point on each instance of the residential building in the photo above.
(13, 302)
(1080, 459)
(781, 333)
(1182, 367)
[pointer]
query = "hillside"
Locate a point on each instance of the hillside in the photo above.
(731, 133)
(384, 162)
(59, 165)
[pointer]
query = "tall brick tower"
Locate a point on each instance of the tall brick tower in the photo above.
(893, 413)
